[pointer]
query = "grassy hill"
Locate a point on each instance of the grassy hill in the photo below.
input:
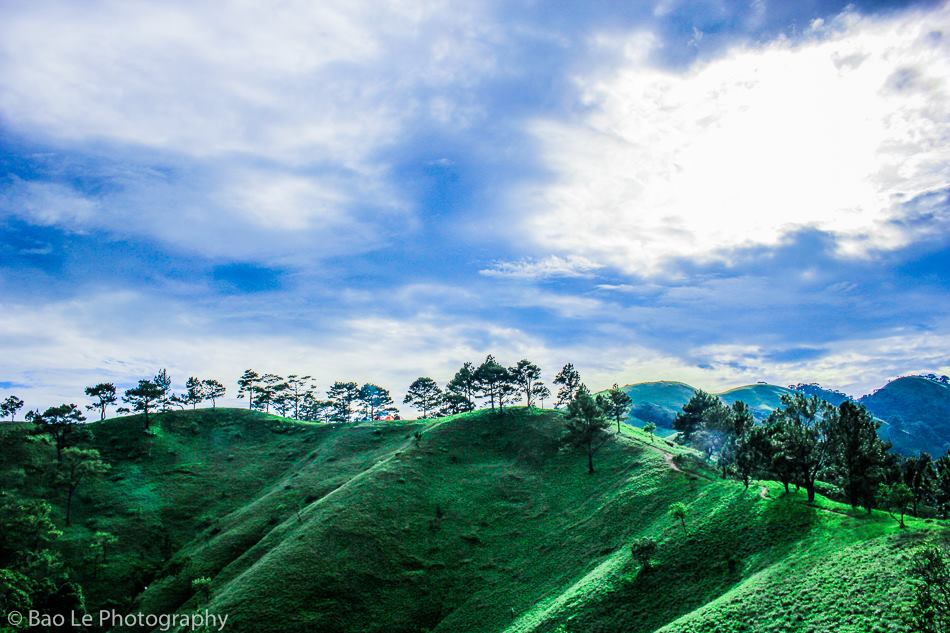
(657, 402)
(475, 522)
(917, 411)
(761, 398)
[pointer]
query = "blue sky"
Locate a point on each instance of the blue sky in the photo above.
(715, 192)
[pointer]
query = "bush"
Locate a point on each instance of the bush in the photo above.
(642, 550)
(202, 588)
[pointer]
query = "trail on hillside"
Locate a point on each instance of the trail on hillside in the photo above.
(668, 458)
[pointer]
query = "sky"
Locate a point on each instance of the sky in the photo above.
(714, 192)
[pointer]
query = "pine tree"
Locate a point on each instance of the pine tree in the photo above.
(570, 381)
(586, 425)
(105, 394)
(213, 390)
(247, 386)
(423, 394)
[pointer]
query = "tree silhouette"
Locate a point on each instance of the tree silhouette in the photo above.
(570, 381)
(144, 397)
(105, 394)
(213, 390)
(586, 425)
(9, 406)
(423, 394)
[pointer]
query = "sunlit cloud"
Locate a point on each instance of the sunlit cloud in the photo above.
(835, 131)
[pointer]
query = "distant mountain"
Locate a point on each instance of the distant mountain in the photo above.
(914, 411)
(657, 402)
(762, 398)
(917, 411)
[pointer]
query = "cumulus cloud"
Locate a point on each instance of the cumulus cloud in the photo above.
(834, 131)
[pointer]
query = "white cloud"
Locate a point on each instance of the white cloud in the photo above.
(833, 132)
(553, 266)
(265, 126)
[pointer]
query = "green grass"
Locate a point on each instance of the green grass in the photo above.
(484, 523)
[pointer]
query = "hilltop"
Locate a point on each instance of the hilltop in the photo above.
(475, 522)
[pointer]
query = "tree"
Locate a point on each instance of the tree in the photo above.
(541, 392)
(617, 404)
(753, 452)
(570, 381)
(856, 452)
(164, 382)
(895, 498)
(650, 427)
(642, 550)
(194, 392)
(586, 425)
(453, 403)
(930, 573)
(213, 390)
(678, 512)
(105, 394)
(919, 475)
(942, 485)
(488, 378)
(801, 438)
(247, 386)
(101, 542)
(271, 390)
(690, 419)
(9, 406)
(61, 424)
(526, 375)
(463, 384)
(342, 395)
(313, 408)
(143, 397)
(78, 465)
(507, 388)
(423, 394)
(376, 402)
(297, 386)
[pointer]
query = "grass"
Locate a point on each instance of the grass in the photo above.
(482, 523)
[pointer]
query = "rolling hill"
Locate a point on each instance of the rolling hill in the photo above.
(659, 402)
(476, 522)
(917, 411)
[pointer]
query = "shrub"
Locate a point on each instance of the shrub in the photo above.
(643, 550)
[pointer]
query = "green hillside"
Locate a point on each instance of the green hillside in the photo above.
(917, 411)
(761, 398)
(476, 522)
(657, 402)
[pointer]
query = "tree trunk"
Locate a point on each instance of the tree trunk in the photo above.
(590, 461)
(69, 504)
(810, 489)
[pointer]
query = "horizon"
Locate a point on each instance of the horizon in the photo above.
(706, 192)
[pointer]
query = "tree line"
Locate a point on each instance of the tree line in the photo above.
(807, 441)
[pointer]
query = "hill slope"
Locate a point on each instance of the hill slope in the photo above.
(478, 523)
(917, 411)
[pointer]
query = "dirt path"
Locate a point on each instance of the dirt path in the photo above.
(668, 457)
